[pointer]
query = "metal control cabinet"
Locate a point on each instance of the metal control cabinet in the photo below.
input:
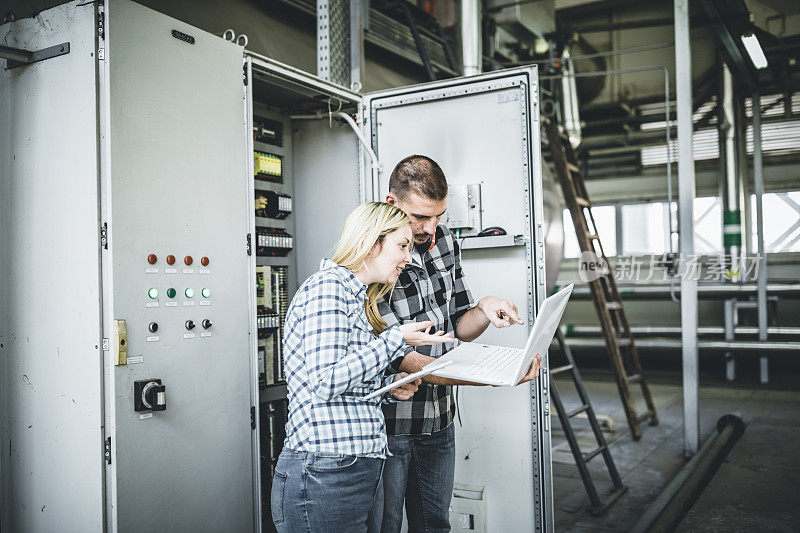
(140, 142)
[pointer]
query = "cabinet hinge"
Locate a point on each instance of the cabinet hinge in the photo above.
(107, 450)
(252, 417)
(104, 236)
(244, 73)
(249, 244)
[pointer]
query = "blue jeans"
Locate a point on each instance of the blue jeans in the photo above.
(419, 471)
(327, 492)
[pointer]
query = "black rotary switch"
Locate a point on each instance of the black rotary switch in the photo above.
(153, 327)
(206, 323)
(190, 324)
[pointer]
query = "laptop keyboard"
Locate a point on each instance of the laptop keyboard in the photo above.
(496, 363)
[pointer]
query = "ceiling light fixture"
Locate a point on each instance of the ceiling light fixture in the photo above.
(753, 48)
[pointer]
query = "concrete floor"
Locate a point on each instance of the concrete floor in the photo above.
(755, 490)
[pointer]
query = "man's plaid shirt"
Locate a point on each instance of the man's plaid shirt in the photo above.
(333, 360)
(432, 288)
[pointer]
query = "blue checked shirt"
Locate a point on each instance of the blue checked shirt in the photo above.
(332, 361)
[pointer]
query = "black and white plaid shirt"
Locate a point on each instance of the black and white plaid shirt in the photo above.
(432, 287)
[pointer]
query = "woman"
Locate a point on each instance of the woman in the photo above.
(336, 346)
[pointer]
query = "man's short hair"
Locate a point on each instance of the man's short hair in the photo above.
(418, 174)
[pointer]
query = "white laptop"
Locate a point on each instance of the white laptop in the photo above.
(497, 365)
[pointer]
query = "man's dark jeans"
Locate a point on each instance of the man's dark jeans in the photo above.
(419, 471)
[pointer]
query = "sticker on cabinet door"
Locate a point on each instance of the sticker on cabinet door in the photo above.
(188, 271)
(188, 335)
(151, 270)
(152, 338)
(145, 416)
(170, 304)
(170, 271)
(152, 304)
(134, 360)
(206, 334)
(205, 303)
(204, 271)
(188, 304)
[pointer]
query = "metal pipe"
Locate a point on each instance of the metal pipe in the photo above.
(758, 185)
(644, 48)
(730, 184)
(674, 344)
(569, 95)
(686, 195)
(784, 290)
(471, 45)
(679, 496)
(579, 330)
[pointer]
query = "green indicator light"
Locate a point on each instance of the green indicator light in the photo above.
(206, 292)
(153, 293)
(189, 293)
(171, 292)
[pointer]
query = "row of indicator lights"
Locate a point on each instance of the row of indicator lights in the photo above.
(153, 259)
(189, 292)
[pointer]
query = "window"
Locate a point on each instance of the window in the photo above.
(644, 229)
(781, 222)
(707, 225)
(605, 218)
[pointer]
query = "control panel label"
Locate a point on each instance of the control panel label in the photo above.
(170, 304)
(151, 270)
(206, 334)
(188, 335)
(152, 338)
(204, 271)
(188, 271)
(152, 304)
(145, 416)
(135, 360)
(170, 271)
(188, 304)
(205, 303)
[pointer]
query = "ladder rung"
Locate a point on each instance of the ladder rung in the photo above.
(612, 306)
(582, 201)
(644, 416)
(561, 369)
(573, 167)
(592, 236)
(636, 378)
(579, 410)
(622, 341)
(594, 453)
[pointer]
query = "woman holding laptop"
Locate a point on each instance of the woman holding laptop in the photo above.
(337, 346)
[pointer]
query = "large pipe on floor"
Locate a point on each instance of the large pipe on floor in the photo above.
(683, 491)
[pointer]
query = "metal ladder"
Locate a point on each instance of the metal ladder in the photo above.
(607, 301)
(599, 505)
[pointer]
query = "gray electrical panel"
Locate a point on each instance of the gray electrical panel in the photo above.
(167, 194)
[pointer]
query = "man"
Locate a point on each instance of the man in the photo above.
(421, 466)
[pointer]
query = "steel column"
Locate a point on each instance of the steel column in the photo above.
(686, 194)
(758, 184)
(471, 44)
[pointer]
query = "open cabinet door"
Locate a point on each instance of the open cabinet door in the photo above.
(175, 184)
(484, 132)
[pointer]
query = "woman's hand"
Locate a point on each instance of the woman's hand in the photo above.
(407, 390)
(418, 334)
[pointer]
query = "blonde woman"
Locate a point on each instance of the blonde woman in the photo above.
(337, 346)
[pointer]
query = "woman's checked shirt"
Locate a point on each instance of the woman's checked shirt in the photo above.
(332, 361)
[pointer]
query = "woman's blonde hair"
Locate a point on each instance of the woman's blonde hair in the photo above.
(367, 226)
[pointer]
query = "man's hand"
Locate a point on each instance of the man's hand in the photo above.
(419, 334)
(533, 373)
(501, 313)
(407, 390)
